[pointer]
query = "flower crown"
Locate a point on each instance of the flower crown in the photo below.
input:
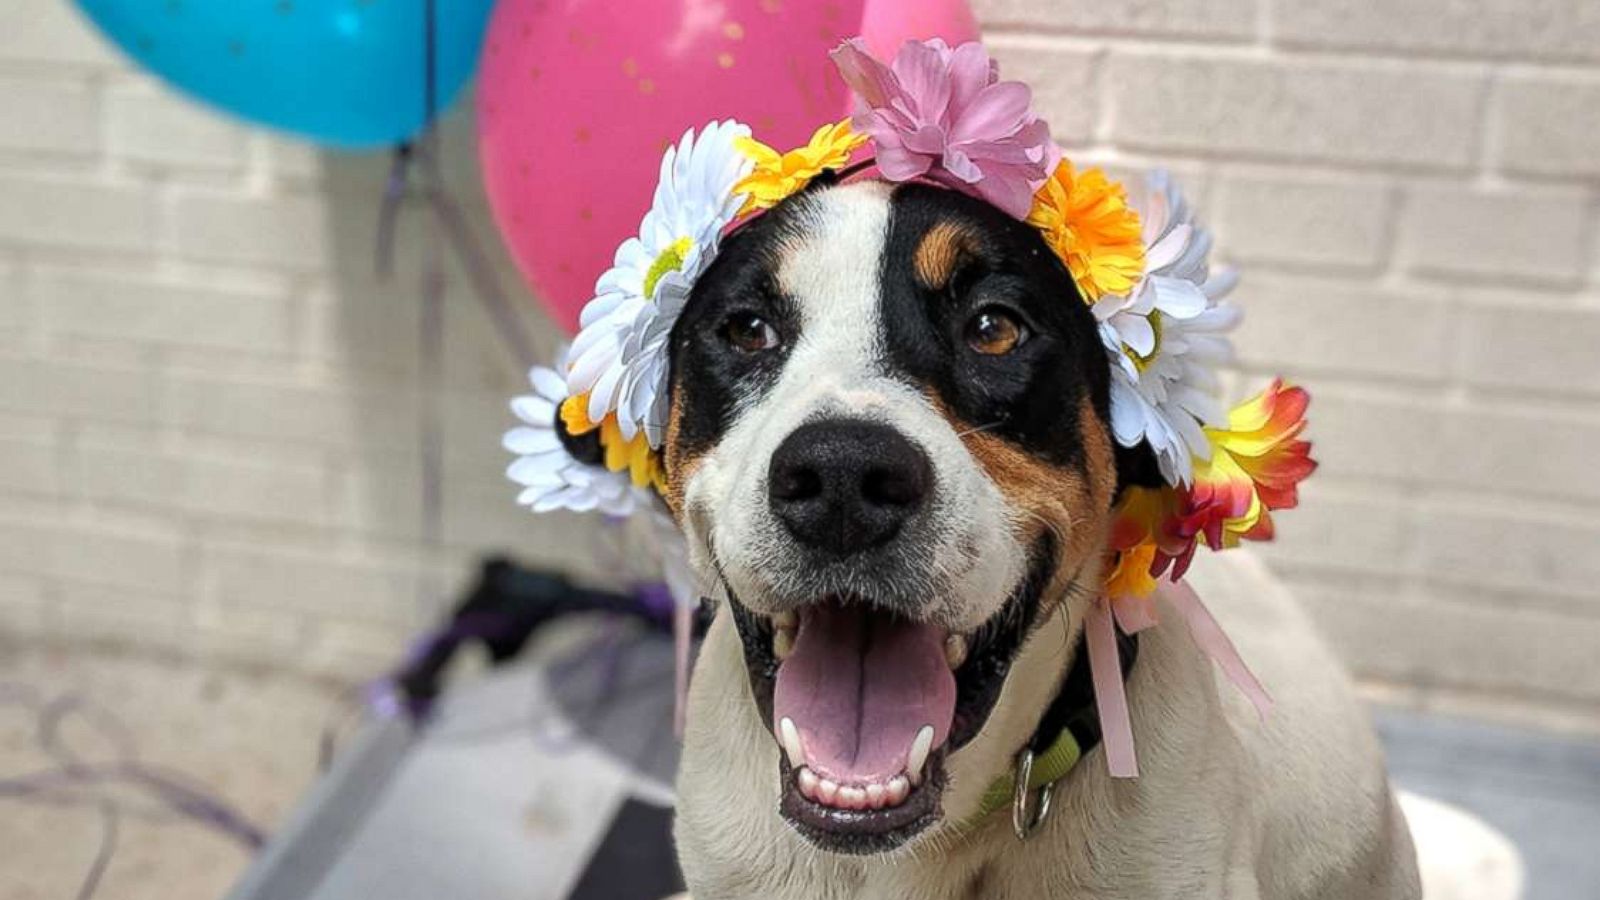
(942, 115)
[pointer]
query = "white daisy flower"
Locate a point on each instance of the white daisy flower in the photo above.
(551, 477)
(1168, 337)
(620, 355)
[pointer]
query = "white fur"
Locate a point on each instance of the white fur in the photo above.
(1298, 808)
(836, 368)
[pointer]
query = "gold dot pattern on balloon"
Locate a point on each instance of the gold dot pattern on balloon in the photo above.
(630, 67)
(772, 6)
(581, 39)
(725, 60)
(647, 86)
(733, 31)
(586, 214)
(583, 135)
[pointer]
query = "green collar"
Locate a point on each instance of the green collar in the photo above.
(1049, 767)
(1074, 720)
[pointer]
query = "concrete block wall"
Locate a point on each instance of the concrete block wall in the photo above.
(1410, 190)
(209, 404)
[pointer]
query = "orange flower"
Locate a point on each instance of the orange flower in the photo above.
(635, 457)
(1130, 572)
(1086, 220)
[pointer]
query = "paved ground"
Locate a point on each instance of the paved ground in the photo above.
(252, 738)
(1541, 791)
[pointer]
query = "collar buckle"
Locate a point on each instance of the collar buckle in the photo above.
(1026, 817)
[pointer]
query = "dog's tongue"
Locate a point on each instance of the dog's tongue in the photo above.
(859, 686)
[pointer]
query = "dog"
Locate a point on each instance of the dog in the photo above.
(889, 448)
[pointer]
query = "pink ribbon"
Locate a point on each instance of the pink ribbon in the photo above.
(1135, 614)
(1208, 634)
(1105, 667)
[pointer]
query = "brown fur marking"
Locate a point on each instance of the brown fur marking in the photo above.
(678, 466)
(1073, 503)
(940, 254)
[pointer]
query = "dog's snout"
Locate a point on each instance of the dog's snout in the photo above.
(844, 485)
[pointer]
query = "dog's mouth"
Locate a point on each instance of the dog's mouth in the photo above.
(867, 704)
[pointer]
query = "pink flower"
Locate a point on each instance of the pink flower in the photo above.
(945, 114)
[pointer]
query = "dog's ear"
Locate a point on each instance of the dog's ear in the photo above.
(1137, 467)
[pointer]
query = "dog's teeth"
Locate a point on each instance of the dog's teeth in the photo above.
(808, 782)
(899, 788)
(875, 795)
(920, 747)
(955, 651)
(785, 621)
(789, 737)
(827, 791)
(782, 643)
(852, 798)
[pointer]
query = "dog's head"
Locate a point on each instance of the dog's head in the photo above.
(889, 440)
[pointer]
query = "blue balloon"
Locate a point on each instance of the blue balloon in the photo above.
(348, 73)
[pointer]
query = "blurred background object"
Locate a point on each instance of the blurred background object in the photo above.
(565, 181)
(210, 406)
(347, 74)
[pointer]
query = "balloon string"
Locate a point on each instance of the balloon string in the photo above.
(415, 172)
(430, 64)
(430, 339)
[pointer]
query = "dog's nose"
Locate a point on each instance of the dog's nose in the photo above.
(845, 485)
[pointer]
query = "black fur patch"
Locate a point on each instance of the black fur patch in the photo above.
(1031, 396)
(742, 279)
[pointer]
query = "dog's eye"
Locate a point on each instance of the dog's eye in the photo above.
(749, 333)
(995, 332)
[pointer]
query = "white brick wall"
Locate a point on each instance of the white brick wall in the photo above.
(209, 403)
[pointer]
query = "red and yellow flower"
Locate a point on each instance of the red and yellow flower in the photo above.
(1256, 466)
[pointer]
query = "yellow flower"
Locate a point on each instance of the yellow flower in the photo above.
(1087, 221)
(778, 176)
(1130, 572)
(619, 454)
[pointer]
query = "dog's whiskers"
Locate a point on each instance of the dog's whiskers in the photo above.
(1054, 527)
(977, 428)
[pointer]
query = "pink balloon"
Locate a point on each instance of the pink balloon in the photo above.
(577, 100)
